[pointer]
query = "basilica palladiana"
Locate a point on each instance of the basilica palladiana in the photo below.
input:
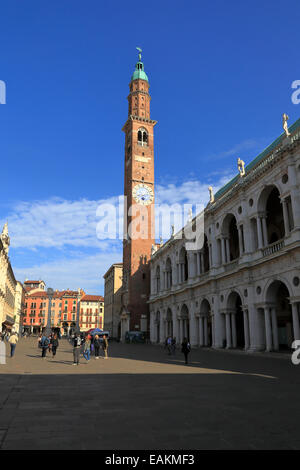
(241, 287)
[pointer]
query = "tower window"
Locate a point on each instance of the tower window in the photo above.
(142, 137)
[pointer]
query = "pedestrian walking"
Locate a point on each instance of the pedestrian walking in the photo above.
(173, 346)
(169, 345)
(97, 345)
(44, 345)
(50, 342)
(105, 346)
(76, 349)
(54, 345)
(13, 343)
(87, 348)
(185, 349)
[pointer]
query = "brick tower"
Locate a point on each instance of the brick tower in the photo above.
(139, 204)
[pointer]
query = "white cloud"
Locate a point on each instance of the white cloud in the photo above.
(59, 223)
(79, 271)
(55, 223)
(70, 226)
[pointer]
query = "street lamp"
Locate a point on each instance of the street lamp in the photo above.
(50, 293)
(78, 310)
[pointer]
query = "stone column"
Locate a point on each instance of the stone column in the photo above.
(193, 267)
(223, 250)
(205, 332)
(233, 326)
(175, 326)
(201, 335)
(295, 197)
(213, 331)
(296, 326)
(268, 329)
(241, 240)
(202, 262)
(152, 337)
(152, 283)
(193, 330)
(285, 217)
(181, 332)
(274, 329)
(246, 330)
(228, 331)
(227, 250)
(265, 231)
(259, 233)
(198, 263)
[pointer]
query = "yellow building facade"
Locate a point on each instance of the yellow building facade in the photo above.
(112, 298)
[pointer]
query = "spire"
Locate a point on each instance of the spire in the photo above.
(5, 229)
(139, 73)
(5, 238)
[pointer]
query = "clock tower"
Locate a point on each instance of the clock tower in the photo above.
(138, 203)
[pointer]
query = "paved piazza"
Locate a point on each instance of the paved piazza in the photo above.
(141, 398)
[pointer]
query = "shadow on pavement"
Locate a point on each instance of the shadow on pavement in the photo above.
(147, 411)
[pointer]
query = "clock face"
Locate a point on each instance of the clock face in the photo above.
(143, 194)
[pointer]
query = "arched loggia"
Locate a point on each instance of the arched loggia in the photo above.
(279, 328)
(235, 331)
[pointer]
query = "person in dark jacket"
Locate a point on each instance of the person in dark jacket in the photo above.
(185, 348)
(173, 346)
(54, 344)
(76, 349)
(44, 345)
(97, 345)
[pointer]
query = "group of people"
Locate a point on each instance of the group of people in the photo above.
(170, 345)
(12, 338)
(89, 344)
(81, 344)
(48, 343)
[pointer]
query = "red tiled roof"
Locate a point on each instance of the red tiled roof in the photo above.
(32, 282)
(40, 293)
(92, 298)
(56, 294)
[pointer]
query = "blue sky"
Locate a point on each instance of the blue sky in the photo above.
(220, 76)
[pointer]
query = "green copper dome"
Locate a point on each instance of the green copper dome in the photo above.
(139, 72)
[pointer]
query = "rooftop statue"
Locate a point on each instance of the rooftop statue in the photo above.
(140, 53)
(5, 238)
(211, 194)
(241, 167)
(285, 124)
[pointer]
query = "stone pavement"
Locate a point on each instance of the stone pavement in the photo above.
(141, 398)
